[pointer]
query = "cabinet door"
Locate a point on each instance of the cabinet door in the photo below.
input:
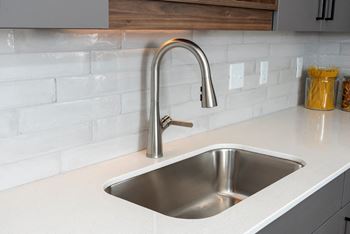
(337, 16)
(298, 15)
(53, 13)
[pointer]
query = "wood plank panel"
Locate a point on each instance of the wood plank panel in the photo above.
(253, 4)
(145, 14)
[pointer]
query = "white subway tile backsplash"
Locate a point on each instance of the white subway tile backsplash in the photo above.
(276, 104)
(345, 49)
(135, 39)
(105, 61)
(285, 50)
(204, 38)
(63, 114)
(282, 89)
(93, 153)
(22, 172)
(246, 98)
(263, 37)
(8, 123)
(121, 125)
(222, 119)
(38, 40)
(82, 96)
(73, 88)
(43, 65)
(27, 93)
(244, 52)
(26, 146)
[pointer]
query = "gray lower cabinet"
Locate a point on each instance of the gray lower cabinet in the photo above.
(327, 211)
(310, 214)
(54, 13)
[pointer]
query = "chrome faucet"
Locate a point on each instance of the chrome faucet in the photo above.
(207, 97)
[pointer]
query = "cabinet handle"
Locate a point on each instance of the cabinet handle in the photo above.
(332, 5)
(321, 10)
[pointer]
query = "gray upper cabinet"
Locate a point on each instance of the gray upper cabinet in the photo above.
(297, 15)
(337, 17)
(313, 15)
(53, 13)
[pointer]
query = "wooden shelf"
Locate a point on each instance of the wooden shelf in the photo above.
(188, 14)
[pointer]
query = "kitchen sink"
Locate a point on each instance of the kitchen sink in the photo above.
(204, 185)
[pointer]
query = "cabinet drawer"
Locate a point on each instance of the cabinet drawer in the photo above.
(307, 216)
(338, 224)
(346, 196)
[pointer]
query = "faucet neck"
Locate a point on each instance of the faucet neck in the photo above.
(208, 98)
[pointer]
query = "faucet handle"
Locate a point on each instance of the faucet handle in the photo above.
(166, 121)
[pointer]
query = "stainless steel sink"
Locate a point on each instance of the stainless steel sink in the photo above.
(204, 185)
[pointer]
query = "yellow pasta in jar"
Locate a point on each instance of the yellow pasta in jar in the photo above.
(320, 89)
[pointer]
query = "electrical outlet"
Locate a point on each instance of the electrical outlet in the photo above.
(236, 76)
(264, 72)
(300, 63)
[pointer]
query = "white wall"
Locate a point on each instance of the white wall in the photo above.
(73, 98)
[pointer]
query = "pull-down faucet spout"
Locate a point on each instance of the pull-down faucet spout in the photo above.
(207, 97)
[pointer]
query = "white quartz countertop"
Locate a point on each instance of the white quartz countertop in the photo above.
(76, 202)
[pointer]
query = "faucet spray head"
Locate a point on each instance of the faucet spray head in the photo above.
(208, 97)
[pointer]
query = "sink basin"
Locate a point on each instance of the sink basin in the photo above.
(204, 185)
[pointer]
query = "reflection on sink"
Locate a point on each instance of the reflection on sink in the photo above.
(204, 185)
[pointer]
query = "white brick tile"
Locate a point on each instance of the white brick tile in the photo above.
(215, 37)
(247, 52)
(25, 146)
(94, 153)
(34, 40)
(8, 123)
(73, 88)
(300, 37)
(263, 37)
(345, 48)
(137, 101)
(337, 37)
(215, 54)
(193, 110)
(63, 114)
(6, 41)
(277, 63)
(26, 93)
(105, 61)
(276, 104)
(26, 171)
(247, 98)
(136, 39)
(120, 125)
(287, 76)
(329, 48)
(251, 82)
(230, 117)
(285, 50)
(282, 89)
(177, 75)
(42, 65)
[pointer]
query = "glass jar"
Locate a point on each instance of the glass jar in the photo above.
(345, 104)
(321, 88)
